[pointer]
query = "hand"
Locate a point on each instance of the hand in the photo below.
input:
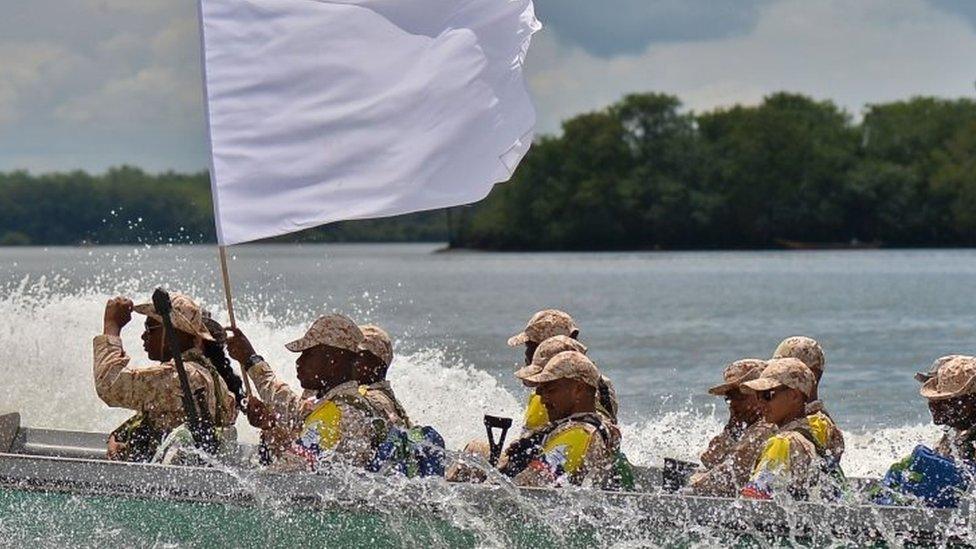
(238, 346)
(258, 414)
(118, 313)
(115, 449)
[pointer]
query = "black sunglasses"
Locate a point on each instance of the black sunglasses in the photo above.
(768, 396)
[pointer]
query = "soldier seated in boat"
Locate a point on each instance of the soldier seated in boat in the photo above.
(549, 348)
(795, 461)
(809, 352)
(374, 362)
(936, 477)
(728, 460)
(542, 326)
(576, 446)
(331, 420)
(154, 390)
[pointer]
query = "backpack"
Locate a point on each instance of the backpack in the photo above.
(935, 480)
(412, 452)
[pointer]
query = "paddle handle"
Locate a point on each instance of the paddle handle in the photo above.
(225, 272)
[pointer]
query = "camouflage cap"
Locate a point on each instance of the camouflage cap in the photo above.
(956, 377)
(804, 348)
(737, 373)
(334, 330)
(922, 377)
(377, 342)
(784, 372)
(566, 365)
(548, 349)
(543, 325)
(186, 315)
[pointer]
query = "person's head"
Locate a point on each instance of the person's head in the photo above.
(329, 352)
(951, 393)
(744, 407)
(548, 349)
(567, 384)
(214, 351)
(376, 356)
(807, 351)
(783, 389)
(187, 319)
(542, 326)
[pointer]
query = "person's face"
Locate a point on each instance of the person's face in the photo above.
(530, 347)
(957, 413)
(324, 367)
(153, 341)
(782, 404)
(562, 397)
(744, 407)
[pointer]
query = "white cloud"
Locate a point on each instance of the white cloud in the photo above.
(852, 52)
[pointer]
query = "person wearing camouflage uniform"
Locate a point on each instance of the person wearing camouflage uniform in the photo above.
(810, 353)
(330, 421)
(542, 326)
(575, 447)
(795, 460)
(728, 460)
(375, 360)
(951, 393)
(154, 391)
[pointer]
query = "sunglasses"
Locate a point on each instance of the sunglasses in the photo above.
(768, 396)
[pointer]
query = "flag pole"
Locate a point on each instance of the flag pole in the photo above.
(230, 307)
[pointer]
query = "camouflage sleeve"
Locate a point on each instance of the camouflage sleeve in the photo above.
(718, 449)
(597, 463)
(575, 454)
(122, 386)
(274, 392)
(726, 478)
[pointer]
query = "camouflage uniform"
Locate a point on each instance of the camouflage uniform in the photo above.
(380, 394)
(730, 455)
(579, 449)
(808, 351)
(953, 376)
(796, 458)
(155, 390)
(729, 460)
(341, 425)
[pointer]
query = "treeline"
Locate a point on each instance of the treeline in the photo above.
(127, 205)
(640, 174)
(792, 171)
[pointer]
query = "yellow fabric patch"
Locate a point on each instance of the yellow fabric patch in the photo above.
(325, 420)
(571, 445)
(536, 415)
(775, 455)
(363, 389)
(820, 428)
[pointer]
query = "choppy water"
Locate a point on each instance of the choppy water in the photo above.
(661, 325)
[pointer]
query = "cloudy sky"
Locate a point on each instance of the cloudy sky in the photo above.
(95, 83)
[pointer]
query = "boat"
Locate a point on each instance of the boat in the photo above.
(53, 481)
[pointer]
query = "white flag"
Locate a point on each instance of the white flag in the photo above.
(328, 110)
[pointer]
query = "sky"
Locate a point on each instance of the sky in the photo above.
(89, 84)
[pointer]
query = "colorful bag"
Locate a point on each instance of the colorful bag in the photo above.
(413, 452)
(924, 477)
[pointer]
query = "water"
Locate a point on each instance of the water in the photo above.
(661, 325)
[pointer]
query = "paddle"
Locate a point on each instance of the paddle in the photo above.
(200, 424)
(491, 423)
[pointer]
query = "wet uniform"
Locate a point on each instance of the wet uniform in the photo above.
(729, 460)
(796, 460)
(155, 390)
(576, 450)
(380, 395)
(341, 425)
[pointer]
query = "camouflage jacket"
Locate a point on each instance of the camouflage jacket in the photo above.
(729, 460)
(796, 460)
(573, 452)
(835, 444)
(155, 390)
(958, 445)
(380, 395)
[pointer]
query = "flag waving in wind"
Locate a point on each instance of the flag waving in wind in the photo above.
(329, 110)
